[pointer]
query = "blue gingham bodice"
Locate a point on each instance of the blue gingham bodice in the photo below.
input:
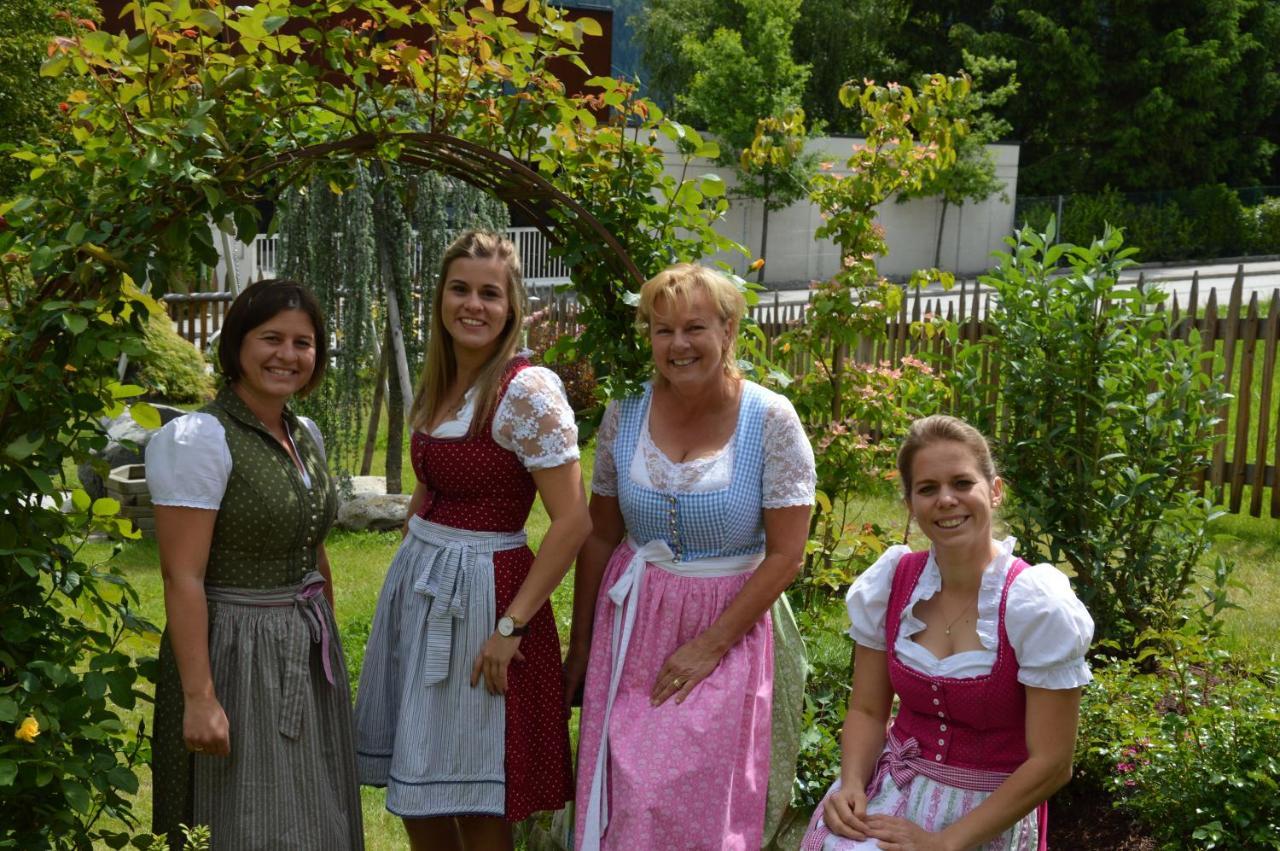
(725, 522)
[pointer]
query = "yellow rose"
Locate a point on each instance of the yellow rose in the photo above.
(28, 730)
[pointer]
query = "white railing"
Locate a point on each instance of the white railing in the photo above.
(542, 271)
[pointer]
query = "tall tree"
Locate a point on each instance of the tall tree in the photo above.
(1138, 95)
(742, 77)
(661, 27)
(843, 41)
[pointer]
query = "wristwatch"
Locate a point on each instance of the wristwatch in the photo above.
(507, 627)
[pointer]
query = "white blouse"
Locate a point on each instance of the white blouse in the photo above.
(533, 420)
(789, 477)
(189, 463)
(1049, 628)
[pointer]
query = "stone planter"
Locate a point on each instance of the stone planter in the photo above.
(127, 484)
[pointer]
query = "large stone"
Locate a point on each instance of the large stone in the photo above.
(373, 512)
(126, 444)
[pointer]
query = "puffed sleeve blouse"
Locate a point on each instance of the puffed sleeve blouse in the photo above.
(1049, 628)
(189, 462)
(788, 477)
(533, 420)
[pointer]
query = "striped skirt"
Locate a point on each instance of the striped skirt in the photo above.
(279, 673)
(440, 746)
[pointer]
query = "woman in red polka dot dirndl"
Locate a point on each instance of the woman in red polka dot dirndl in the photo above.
(459, 711)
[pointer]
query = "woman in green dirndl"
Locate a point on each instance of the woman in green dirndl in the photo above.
(253, 734)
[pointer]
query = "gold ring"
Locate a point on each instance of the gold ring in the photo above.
(677, 682)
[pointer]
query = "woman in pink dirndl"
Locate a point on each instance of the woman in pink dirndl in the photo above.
(986, 656)
(700, 508)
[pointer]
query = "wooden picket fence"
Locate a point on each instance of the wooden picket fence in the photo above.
(198, 316)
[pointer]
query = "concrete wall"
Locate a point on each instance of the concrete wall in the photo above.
(971, 232)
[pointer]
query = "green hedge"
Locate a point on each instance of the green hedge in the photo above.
(1196, 224)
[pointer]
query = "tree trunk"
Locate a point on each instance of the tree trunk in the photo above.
(942, 226)
(395, 425)
(371, 439)
(764, 233)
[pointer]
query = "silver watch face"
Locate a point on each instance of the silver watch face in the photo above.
(506, 626)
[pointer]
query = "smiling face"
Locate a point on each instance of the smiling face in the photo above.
(278, 357)
(689, 340)
(475, 303)
(950, 499)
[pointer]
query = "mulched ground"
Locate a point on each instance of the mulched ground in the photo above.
(1082, 819)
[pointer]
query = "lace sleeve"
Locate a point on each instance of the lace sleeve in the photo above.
(789, 475)
(604, 476)
(535, 422)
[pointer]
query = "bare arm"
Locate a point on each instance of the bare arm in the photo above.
(566, 504)
(861, 742)
(184, 536)
(1052, 718)
(785, 531)
(607, 529)
(416, 502)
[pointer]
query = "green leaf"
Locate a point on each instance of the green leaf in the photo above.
(75, 323)
(274, 22)
(105, 507)
(77, 795)
(145, 415)
(80, 499)
(590, 26)
(8, 772)
(24, 445)
(8, 710)
(54, 65)
(208, 21)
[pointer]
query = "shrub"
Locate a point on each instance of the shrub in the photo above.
(1263, 227)
(1158, 231)
(1084, 217)
(1191, 750)
(1105, 423)
(172, 368)
(1216, 219)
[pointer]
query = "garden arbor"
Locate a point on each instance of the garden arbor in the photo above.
(191, 121)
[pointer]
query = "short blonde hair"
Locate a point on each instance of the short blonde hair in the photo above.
(937, 429)
(680, 284)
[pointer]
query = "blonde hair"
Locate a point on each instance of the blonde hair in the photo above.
(441, 366)
(936, 429)
(679, 284)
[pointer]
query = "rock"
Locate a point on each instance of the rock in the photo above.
(117, 453)
(368, 485)
(373, 512)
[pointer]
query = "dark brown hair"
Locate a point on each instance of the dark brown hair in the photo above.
(936, 429)
(259, 303)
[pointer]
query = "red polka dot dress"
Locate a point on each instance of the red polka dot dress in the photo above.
(440, 746)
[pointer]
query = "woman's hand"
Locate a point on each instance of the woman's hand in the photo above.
(575, 672)
(899, 834)
(845, 812)
(205, 728)
(495, 656)
(692, 663)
